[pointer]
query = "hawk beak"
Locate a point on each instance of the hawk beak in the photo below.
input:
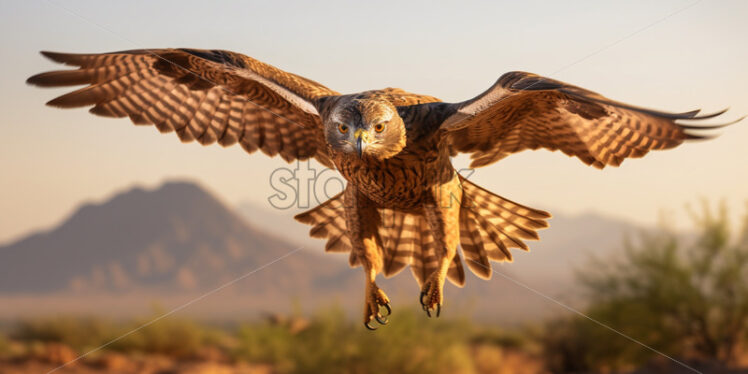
(360, 135)
(360, 145)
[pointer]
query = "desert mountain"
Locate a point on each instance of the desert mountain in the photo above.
(174, 238)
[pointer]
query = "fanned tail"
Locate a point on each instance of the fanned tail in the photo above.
(405, 238)
(489, 226)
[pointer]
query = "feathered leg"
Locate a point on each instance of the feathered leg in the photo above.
(362, 220)
(442, 213)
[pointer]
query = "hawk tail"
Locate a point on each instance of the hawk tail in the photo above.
(491, 224)
(405, 240)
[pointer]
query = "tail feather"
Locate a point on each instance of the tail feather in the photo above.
(398, 235)
(526, 216)
(493, 239)
(472, 243)
(424, 261)
(456, 273)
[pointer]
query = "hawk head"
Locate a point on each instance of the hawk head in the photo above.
(368, 127)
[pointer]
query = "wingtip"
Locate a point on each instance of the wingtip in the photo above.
(63, 102)
(542, 216)
(54, 103)
(73, 59)
(54, 56)
(712, 126)
(690, 114)
(34, 80)
(710, 115)
(41, 78)
(695, 137)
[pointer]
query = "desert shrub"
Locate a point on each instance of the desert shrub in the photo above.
(176, 337)
(495, 336)
(171, 336)
(333, 344)
(80, 333)
(685, 298)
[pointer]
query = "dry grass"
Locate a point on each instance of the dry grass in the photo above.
(326, 342)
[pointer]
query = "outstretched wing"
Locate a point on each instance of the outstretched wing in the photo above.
(526, 111)
(204, 95)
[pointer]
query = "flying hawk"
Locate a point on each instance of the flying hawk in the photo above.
(404, 204)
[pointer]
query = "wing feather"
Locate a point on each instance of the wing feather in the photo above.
(204, 95)
(526, 111)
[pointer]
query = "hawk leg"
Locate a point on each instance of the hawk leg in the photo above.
(442, 212)
(362, 220)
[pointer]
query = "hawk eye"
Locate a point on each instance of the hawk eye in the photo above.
(379, 127)
(342, 128)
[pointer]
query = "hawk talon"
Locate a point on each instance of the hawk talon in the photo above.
(433, 297)
(424, 304)
(376, 300)
(389, 309)
(369, 327)
(428, 310)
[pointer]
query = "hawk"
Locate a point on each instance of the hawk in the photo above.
(404, 203)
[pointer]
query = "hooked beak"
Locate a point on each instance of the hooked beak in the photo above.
(360, 145)
(361, 137)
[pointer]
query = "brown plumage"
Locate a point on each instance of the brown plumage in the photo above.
(404, 204)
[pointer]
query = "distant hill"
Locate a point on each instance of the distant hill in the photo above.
(177, 237)
(174, 243)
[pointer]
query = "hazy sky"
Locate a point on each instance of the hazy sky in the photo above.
(669, 55)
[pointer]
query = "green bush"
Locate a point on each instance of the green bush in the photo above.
(332, 344)
(689, 301)
(168, 336)
(494, 336)
(80, 333)
(171, 336)
(176, 337)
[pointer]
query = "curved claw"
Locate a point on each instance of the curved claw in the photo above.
(381, 320)
(428, 312)
(389, 309)
(420, 298)
(369, 327)
(438, 310)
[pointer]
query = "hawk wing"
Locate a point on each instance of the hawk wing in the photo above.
(526, 111)
(204, 95)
